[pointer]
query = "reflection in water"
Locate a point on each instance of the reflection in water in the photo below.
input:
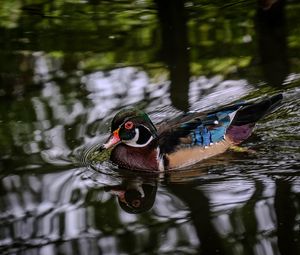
(229, 211)
(66, 67)
(217, 215)
(175, 49)
(271, 32)
(135, 196)
(286, 214)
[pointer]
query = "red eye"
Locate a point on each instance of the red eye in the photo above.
(128, 125)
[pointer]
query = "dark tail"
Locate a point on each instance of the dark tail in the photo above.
(244, 121)
(251, 113)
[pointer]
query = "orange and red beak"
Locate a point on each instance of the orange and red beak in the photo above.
(112, 140)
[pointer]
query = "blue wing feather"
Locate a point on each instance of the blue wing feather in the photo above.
(212, 129)
(201, 130)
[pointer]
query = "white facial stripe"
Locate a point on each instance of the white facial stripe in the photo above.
(133, 141)
(136, 137)
(160, 161)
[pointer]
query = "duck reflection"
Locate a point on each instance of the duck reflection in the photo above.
(135, 195)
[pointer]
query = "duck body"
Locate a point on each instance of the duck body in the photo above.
(140, 145)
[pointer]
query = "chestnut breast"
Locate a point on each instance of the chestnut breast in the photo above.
(137, 158)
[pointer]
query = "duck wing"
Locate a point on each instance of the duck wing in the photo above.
(195, 129)
(207, 128)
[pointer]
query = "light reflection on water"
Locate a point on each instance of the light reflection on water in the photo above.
(53, 200)
(82, 206)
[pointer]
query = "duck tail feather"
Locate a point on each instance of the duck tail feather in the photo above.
(251, 113)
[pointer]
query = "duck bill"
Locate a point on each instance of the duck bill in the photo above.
(112, 140)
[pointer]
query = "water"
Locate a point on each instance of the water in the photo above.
(66, 67)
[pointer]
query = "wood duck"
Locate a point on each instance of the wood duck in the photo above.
(134, 196)
(138, 144)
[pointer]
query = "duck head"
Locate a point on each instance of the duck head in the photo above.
(135, 196)
(131, 127)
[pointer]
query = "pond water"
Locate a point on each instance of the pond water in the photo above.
(67, 67)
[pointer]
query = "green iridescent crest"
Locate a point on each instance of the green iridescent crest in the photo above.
(134, 115)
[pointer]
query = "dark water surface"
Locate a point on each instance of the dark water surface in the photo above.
(66, 67)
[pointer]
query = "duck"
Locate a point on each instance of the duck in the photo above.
(134, 196)
(135, 143)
